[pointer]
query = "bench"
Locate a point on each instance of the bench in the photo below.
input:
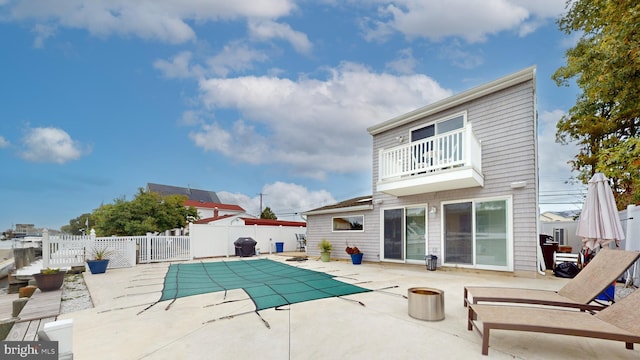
(42, 308)
(559, 257)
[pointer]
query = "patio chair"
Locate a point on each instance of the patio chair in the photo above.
(613, 323)
(607, 266)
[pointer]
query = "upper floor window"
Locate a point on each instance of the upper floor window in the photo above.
(438, 127)
(348, 223)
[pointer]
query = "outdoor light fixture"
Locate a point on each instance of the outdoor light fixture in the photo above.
(399, 138)
(518, 184)
(432, 212)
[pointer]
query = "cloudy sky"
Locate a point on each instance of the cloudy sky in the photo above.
(268, 97)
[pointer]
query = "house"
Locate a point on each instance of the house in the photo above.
(191, 194)
(457, 179)
(562, 226)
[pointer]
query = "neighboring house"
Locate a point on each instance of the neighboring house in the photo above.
(559, 215)
(562, 226)
(210, 211)
(457, 179)
(192, 194)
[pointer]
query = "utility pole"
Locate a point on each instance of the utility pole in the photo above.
(261, 194)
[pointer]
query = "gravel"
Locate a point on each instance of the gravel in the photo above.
(75, 295)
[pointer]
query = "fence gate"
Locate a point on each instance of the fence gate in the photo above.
(152, 248)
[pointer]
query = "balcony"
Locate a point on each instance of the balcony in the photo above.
(443, 162)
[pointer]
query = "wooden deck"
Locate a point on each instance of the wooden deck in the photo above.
(42, 307)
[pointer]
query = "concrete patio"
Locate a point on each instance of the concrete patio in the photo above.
(334, 328)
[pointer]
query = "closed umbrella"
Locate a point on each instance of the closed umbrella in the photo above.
(599, 222)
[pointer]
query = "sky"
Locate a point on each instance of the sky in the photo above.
(264, 102)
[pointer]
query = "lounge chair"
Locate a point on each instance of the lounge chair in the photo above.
(607, 266)
(616, 322)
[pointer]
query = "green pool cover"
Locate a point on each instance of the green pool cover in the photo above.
(269, 283)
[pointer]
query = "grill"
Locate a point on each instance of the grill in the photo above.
(245, 246)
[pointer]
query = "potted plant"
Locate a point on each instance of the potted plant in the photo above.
(356, 254)
(325, 247)
(49, 279)
(99, 262)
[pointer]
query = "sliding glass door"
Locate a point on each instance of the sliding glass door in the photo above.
(404, 234)
(477, 233)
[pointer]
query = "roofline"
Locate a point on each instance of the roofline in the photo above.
(455, 100)
(339, 210)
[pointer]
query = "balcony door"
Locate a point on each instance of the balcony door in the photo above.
(430, 145)
(404, 234)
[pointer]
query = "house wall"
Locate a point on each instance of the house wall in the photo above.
(570, 227)
(505, 124)
(321, 227)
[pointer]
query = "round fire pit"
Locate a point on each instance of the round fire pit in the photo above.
(426, 303)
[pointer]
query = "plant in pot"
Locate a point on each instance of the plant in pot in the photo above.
(325, 247)
(49, 279)
(98, 262)
(355, 253)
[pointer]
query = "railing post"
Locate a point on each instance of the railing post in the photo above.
(46, 251)
(148, 247)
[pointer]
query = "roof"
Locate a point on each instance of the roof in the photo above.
(213, 205)
(213, 218)
(455, 100)
(271, 222)
(354, 204)
(192, 194)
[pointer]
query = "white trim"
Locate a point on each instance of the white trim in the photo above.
(404, 260)
(347, 231)
(339, 210)
(455, 100)
(441, 119)
(510, 234)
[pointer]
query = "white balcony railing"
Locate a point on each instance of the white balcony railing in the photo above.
(429, 156)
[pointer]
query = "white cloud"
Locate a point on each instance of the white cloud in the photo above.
(162, 20)
(3, 142)
(267, 30)
(459, 57)
(405, 63)
(50, 145)
(472, 20)
(234, 57)
(179, 66)
(316, 126)
(42, 32)
(286, 200)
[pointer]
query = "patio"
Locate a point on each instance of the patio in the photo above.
(201, 327)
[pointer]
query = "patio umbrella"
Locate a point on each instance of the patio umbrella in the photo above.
(599, 223)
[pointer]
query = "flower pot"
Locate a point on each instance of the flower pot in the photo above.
(98, 266)
(325, 256)
(49, 282)
(356, 259)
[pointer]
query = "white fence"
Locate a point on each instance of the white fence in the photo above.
(204, 241)
(68, 250)
(217, 240)
(153, 248)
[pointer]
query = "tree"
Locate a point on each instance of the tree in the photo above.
(147, 212)
(78, 226)
(268, 214)
(605, 64)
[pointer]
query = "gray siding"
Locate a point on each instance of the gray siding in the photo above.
(320, 227)
(505, 123)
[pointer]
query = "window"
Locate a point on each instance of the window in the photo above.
(437, 128)
(558, 235)
(348, 223)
